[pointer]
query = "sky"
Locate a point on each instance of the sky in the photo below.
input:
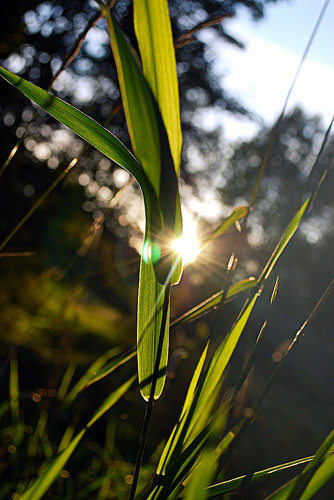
(261, 75)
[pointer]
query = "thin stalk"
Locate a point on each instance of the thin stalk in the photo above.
(149, 407)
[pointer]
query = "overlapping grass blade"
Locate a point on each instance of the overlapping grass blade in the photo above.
(217, 367)
(155, 41)
(175, 440)
(81, 124)
(171, 482)
(159, 263)
(42, 484)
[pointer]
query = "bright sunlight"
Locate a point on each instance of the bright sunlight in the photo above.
(188, 245)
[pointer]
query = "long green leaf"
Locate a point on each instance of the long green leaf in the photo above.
(137, 102)
(42, 484)
(155, 41)
(150, 309)
(160, 264)
(217, 367)
(81, 124)
(175, 440)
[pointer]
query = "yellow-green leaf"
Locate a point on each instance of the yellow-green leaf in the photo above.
(155, 41)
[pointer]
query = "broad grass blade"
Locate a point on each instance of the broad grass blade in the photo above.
(155, 41)
(81, 124)
(42, 484)
(150, 142)
(150, 310)
(151, 146)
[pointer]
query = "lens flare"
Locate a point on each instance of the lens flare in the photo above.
(188, 245)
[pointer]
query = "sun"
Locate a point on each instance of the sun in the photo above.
(187, 246)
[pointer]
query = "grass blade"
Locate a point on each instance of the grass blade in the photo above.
(218, 364)
(150, 311)
(213, 301)
(155, 41)
(254, 478)
(175, 440)
(81, 124)
(237, 214)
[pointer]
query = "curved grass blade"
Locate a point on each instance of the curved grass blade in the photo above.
(151, 146)
(213, 301)
(313, 477)
(82, 125)
(42, 484)
(155, 41)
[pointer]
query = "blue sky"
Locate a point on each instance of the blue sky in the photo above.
(261, 75)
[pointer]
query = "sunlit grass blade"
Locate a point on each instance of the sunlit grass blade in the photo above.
(176, 438)
(252, 479)
(151, 146)
(81, 124)
(155, 41)
(250, 360)
(150, 311)
(218, 365)
(42, 484)
(213, 301)
(318, 471)
(171, 482)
